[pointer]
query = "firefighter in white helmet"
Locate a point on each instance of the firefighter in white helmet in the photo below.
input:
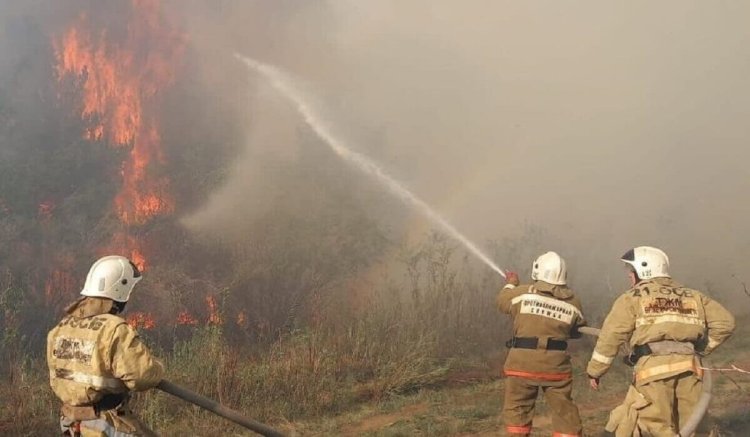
(96, 359)
(668, 326)
(545, 315)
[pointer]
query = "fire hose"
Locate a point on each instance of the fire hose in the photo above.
(701, 407)
(194, 398)
(217, 408)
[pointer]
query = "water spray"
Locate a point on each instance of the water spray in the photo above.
(284, 84)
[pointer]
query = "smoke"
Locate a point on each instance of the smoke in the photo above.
(606, 125)
(285, 86)
(609, 126)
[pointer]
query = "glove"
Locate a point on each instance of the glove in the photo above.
(593, 382)
(511, 278)
(628, 360)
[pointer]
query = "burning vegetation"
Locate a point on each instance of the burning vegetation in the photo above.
(116, 124)
(122, 80)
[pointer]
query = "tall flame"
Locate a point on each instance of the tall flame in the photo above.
(121, 80)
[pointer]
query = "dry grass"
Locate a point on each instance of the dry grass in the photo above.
(323, 384)
(423, 361)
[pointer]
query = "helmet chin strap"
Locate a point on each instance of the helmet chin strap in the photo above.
(633, 275)
(634, 279)
(117, 307)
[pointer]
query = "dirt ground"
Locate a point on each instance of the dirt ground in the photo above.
(469, 405)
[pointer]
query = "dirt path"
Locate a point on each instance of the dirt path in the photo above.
(380, 421)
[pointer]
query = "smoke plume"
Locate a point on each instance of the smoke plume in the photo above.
(608, 126)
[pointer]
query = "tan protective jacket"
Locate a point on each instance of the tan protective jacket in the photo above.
(655, 310)
(91, 353)
(544, 311)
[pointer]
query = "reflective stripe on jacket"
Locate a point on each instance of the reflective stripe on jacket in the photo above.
(91, 356)
(656, 310)
(544, 311)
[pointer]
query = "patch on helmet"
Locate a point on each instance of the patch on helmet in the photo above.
(74, 349)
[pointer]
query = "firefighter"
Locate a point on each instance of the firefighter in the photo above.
(96, 359)
(545, 315)
(666, 325)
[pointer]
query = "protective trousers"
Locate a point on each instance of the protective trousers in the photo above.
(657, 408)
(108, 424)
(520, 398)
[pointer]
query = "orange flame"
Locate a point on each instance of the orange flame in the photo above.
(128, 246)
(111, 99)
(185, 318)
(121, 80)
(138, 259)
(140, 320)
(214, 316)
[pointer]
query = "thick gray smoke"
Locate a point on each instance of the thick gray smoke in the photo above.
(608, 125)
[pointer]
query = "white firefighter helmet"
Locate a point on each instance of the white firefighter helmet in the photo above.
(550, 268)
(112, 277)
(648, 262)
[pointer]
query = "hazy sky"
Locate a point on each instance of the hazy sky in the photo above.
(612, 124)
